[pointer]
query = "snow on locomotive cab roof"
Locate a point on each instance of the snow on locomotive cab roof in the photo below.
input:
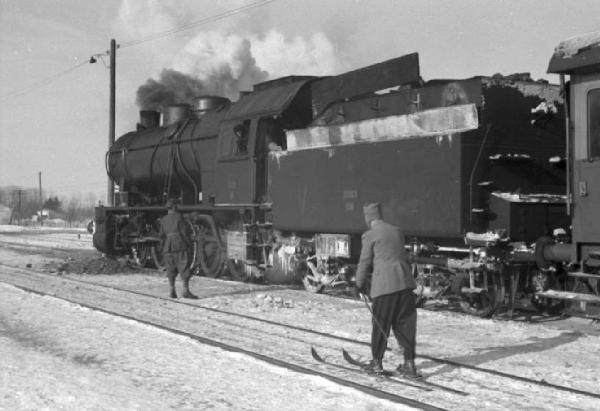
(579, 55)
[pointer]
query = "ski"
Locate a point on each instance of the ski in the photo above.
(387, 376)
(398, 376)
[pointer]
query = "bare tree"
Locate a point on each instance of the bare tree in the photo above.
(24, 203)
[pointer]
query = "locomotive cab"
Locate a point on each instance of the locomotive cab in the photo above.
(252, 129)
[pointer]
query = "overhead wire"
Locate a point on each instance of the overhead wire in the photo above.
(50, 79)
(43, 82)
(196, 23)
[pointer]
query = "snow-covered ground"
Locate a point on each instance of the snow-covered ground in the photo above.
(57, 355)
(5, 228)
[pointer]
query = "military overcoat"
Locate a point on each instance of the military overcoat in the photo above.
(174, 229)
(383, 260)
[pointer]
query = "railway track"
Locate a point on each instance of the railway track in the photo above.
(242, 335)
(284, 345)
(40, 238)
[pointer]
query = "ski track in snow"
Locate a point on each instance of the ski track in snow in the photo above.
(60, 356)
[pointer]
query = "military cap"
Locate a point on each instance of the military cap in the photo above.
(172, 202)
(371, 212)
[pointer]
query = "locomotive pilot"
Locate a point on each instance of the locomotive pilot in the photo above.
(176, 249)
(384, 265)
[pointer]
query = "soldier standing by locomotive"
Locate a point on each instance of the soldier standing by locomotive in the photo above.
(383, 263)
(176, 246)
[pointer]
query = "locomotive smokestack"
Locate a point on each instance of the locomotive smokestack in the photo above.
(202, 104)
(175, 114)
(149, 119)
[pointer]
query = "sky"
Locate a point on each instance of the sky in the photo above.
(54, 105)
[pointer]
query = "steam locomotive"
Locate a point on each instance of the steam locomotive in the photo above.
(490, 188)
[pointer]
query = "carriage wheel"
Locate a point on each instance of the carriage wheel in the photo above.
(486, 302)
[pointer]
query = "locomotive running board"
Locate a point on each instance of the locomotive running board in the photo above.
(474, 290)
(570, 296)
(582, 298)
(584, 275)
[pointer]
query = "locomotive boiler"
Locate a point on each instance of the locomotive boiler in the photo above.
(272, 185)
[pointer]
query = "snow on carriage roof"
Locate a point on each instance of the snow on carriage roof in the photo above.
(571, 46)
(577, 55)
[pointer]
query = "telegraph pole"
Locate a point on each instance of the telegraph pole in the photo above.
(19, 193)
(41, 201)
(110, 197)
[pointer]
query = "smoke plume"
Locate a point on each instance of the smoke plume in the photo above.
(225, 64)
(172, 87)
(219, 63)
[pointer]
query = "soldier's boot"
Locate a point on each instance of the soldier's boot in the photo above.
(186, 290)
(408, 369)
(375, 367)
(172, 293)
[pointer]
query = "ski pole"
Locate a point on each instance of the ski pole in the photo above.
(364, 298)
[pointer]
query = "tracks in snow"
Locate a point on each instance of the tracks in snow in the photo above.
(284, 345)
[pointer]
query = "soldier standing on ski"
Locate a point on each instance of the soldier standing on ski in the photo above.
(176, 246)
(383, 261)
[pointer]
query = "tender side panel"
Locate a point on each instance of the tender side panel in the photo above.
(417, 182)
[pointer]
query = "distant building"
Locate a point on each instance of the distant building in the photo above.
(36, 217)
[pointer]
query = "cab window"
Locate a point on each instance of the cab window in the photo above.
(594, 123)
(241, 134)
(273, 136)
(234, 141)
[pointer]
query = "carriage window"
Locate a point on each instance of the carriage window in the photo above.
(594, 123)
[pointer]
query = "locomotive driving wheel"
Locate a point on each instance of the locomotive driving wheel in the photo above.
(209, 250)
(157, 257)
(485, 297)
(142, 254)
